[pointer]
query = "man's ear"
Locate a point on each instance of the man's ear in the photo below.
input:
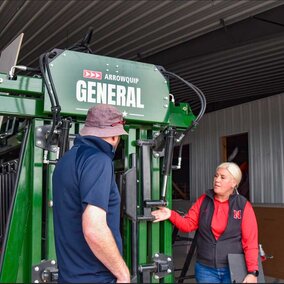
(115, 139)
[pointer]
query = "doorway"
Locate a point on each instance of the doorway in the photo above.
(180, 178)
(235, 149)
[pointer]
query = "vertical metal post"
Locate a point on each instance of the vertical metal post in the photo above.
(143, 256)
(155, 232)
(37, 197)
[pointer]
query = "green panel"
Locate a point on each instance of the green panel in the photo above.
(16, 259)
(82, 80)
(24, 236)
(142, 225)
(37, 188)
(142, 243)
(22, 85)
(11, 105)
(167, 230)
(50, 242)
(181, 115)
(155, 234)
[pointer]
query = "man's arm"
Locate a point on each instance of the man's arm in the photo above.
(102, 243)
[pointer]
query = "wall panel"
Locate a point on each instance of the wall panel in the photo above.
(263, 120)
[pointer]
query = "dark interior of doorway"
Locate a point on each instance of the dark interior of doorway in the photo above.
(180, 178)
(236, 150)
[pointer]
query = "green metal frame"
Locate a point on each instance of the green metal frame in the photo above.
(23, 241)
(152, 238)
(21, 85)
(26, 97)
(16, 256)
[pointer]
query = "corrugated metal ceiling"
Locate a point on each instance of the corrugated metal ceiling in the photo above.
(215, 44)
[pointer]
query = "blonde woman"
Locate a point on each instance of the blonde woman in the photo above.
(226, 224)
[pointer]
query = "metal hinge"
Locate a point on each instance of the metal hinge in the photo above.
(41, 134)
(162, 265)
(45, 272)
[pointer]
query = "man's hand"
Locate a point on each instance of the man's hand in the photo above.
(124, 280)
(250, 279)
(161, 214)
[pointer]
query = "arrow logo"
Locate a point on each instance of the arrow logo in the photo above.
(90, 74)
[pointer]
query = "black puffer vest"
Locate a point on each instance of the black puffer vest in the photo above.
(212, 252)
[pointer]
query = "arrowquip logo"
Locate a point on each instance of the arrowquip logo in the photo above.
(93, 91)
(89, 74)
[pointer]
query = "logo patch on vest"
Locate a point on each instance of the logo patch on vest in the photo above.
(237, 214)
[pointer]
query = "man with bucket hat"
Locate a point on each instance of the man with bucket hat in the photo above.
(87, 203)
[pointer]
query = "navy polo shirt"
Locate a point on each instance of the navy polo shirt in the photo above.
(84, 175)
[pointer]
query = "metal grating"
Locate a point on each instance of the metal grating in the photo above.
(8, 173)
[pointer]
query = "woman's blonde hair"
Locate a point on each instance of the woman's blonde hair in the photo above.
(233, 169)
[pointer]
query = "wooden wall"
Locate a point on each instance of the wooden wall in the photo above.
(271, 236)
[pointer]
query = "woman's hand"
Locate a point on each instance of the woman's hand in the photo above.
(161, 214)
(250, 279)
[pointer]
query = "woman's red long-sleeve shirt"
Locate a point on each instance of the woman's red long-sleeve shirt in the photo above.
(190, 221)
